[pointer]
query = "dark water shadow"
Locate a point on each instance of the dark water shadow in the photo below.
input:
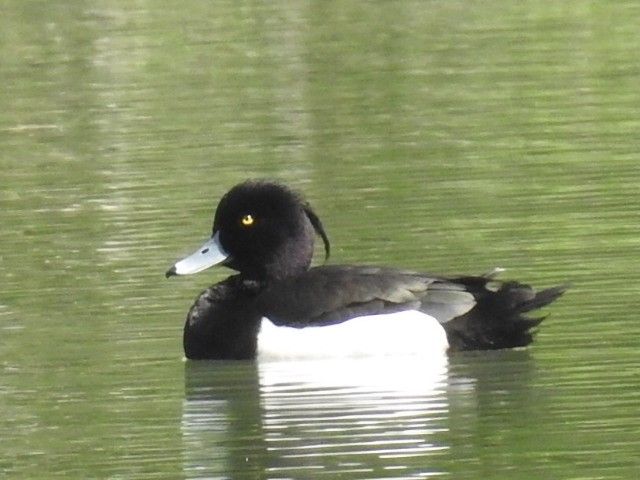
(495, 401)
(221, 420)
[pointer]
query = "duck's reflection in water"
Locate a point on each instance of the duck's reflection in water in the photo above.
(359, 417)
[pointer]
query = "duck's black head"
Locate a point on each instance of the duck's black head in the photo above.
(263, 230)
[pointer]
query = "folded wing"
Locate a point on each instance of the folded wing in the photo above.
(333, 294)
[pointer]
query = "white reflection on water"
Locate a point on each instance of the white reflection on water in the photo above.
(400, 375)
(359, 417)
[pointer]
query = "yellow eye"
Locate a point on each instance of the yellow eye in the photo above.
(247, 220)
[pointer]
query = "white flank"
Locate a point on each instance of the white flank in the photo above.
(408, 333)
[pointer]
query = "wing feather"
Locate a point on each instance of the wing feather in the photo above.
(333, 294)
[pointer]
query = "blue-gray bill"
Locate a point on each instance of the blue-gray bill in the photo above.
(209, 254)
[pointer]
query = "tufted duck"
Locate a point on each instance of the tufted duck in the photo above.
(277, 303)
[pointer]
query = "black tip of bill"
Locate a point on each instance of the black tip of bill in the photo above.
(171, 272)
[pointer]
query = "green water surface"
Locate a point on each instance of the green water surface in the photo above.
(445, 136)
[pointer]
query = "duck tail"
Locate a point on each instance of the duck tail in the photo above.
(499, 318)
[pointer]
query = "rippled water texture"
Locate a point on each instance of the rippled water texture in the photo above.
(440, 136)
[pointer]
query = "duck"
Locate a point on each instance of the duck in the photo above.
(276, 302)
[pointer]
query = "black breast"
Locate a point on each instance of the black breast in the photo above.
(221, 323)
